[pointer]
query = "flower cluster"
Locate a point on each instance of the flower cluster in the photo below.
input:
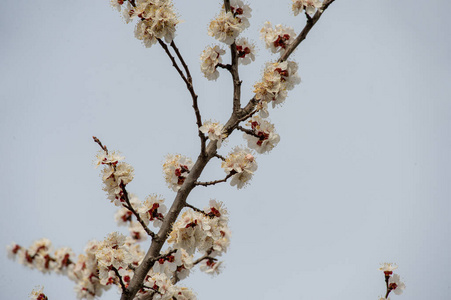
(310, 6)
(115, 175)
(246, 51)
(203, 231)
(278, 78)
(176, 169)
(392, 280)
(278, 38)
(157, 19)
(123, 216)
(265, 137)
(162, 288)
(39, 255)
(225, 27)
(241, 163)
(152, 210)
(112, 254)
(228, 25)
(85, 274)
(213, 130)
(210, 58)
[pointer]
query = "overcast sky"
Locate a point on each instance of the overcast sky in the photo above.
(360, 177)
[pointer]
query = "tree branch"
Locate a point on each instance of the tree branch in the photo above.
(196, 170)
(249, 109)
(248, 131)
(233, 172)
(220, 157)
(135, 213)
(120, 278)
(189, 85)
(195, 209)
(234, 70)
(125, 196)
(104, 148)
(311, 21)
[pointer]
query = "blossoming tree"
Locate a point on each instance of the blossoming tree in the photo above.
(183, 236)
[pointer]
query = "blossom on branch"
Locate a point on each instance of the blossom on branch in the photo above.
(265, 138)
(169, 263)
(226, 27)
(246, 51)
(113, 177)
(210, 58)
(157, 20)
(153, 210)
(396, 285)
(137, 232)
(278, 78)
(123, 216)
(310, 6)
(388, 268)
(176, 169)
(242, 163)
(241, 11)
(206, 232)
(277, 39)
(213, 130)
(211, 266)
(112, 253)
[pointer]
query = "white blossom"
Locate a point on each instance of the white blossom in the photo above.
(241, 11)
(310, 6)
(176, 169)
(206, 232)
(388, 268)
(210, 266)
(240, 162)
(137, 232)
(226, 27)
(113, 177)
(157, 20)
(123, 216)
(169, 263)
(396, 285)
(277, 39)
(267, 137)
(278, 78)
(210, 58)
(213, 130)
(112, 253)
(153, 209)
(246, 51)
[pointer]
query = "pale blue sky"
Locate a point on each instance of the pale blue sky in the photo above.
(361, 175)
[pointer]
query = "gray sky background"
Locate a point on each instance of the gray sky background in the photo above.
(361, 175)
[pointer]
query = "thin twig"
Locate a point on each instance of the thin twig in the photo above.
(104, 148)
(234, 70)
(130, 208)
(189, 85)
(120, 278)
(227, 67)
(250, 132)
(165, 255)
(196, 209)
(311, 21)
(233, 172)
(219, 156)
